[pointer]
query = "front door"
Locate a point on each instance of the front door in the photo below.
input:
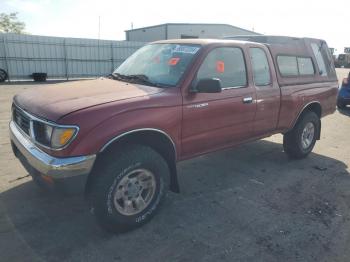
(216, 120)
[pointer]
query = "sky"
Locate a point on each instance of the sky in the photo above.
(79, 18)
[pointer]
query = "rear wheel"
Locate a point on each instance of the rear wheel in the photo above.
(300, 141)
(128, 188)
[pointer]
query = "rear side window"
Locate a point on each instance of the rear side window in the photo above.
(295, 66)
(319, 59)
(261, 69)
(226, 64)
(288, 65)
(305, 66)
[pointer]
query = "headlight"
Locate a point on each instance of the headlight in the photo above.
(52, 136)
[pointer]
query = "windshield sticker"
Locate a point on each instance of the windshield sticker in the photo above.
(185, 49)
(220, 66)
(173, 61)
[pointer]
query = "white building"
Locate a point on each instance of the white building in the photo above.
(182, 30)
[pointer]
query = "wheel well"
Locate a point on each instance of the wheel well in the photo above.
(313, 107)
(158, 141)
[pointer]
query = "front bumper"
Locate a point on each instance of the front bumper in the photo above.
(69, 173)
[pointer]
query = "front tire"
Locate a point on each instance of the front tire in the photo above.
(128, 188)
(300, 141)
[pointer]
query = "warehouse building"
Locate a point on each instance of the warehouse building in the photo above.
(181, 30)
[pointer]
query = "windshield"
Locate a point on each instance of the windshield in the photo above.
(160, 64)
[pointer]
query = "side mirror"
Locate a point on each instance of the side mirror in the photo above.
(207, 85)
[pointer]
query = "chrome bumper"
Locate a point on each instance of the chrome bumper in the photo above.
(45, 164)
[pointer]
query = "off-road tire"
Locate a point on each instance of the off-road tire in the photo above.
(111, 171)
(292, 141)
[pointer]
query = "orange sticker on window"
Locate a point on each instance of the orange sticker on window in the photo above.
(220, 66)
(173, 61)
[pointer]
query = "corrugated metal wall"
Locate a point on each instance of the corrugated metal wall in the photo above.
(22, 55)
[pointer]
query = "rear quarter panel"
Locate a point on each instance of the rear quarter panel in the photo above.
(296, 97)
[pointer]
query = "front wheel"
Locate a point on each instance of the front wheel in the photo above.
(129, 187)
(300, 141)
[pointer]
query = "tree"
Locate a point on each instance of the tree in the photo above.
(9, 23)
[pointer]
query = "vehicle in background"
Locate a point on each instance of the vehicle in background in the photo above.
(344, 93)
(334, 56)
(344, 59)
(118, 139)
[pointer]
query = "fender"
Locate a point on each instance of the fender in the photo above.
(301, 111)
(174, 184)
(139, 130)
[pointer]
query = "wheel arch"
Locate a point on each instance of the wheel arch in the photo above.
(157, 139)
(314, 106)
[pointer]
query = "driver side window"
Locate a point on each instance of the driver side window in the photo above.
(226, 64)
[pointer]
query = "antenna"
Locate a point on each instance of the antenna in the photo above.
(132, 25)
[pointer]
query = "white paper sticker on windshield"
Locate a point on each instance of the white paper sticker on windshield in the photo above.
(185, 49)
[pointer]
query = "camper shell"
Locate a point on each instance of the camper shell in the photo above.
(300, 48)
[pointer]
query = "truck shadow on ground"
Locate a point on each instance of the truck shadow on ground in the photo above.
(237, 204)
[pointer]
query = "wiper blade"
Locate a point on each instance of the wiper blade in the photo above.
(117, 76)
(139, 78)
(142, 78)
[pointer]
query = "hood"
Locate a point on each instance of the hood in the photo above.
(52, 101)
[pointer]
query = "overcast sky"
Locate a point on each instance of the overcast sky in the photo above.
(79, 18)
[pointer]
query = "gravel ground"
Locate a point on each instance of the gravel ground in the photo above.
(250, 203)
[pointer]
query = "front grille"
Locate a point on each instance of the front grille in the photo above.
(21, 119)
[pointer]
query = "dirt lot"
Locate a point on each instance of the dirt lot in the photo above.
(246, 204)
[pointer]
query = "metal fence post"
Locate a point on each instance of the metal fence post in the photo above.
(65, 58)
(6, 58)
(112, 59)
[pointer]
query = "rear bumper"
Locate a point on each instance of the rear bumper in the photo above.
(69, 174)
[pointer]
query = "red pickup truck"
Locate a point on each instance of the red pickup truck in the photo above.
(118, 139)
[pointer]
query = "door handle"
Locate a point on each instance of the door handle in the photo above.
(247, 100)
